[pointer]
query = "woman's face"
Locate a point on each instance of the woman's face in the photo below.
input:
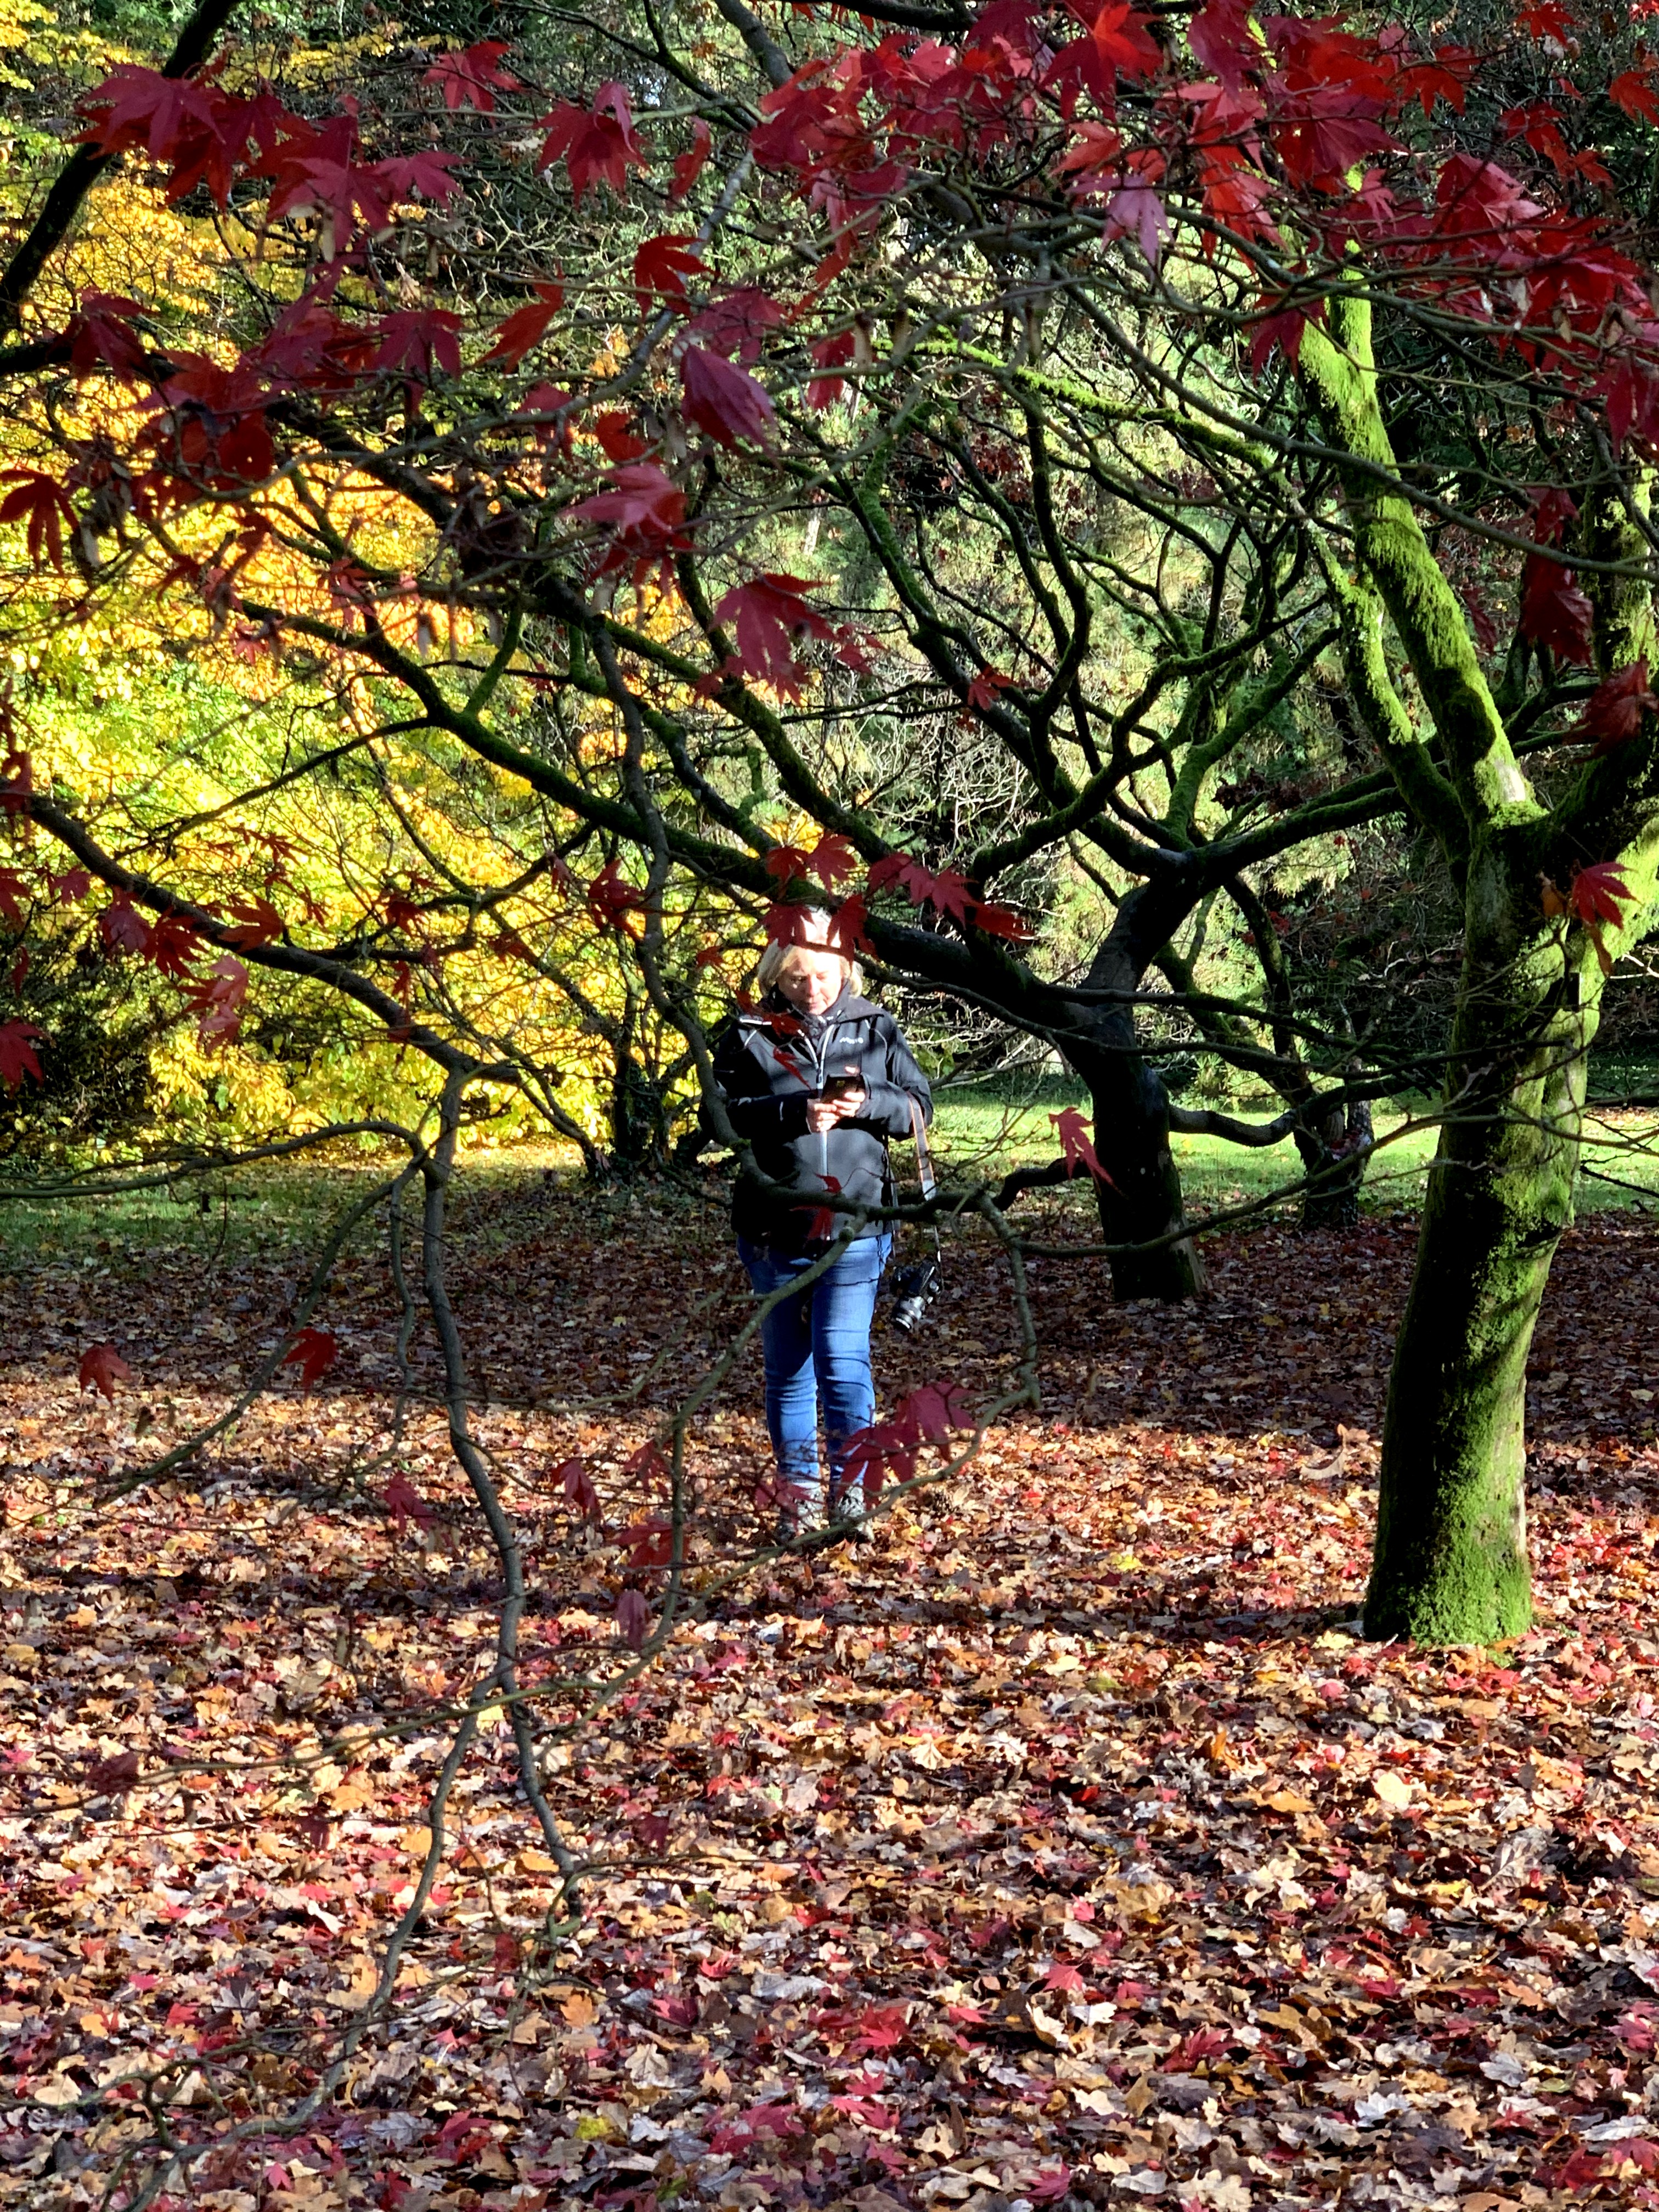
(810, 980)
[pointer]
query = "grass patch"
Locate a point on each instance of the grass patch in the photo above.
(987, 1128)
(981, 1130)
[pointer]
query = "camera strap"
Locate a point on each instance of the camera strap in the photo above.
(925, 1174)
(924, 1158)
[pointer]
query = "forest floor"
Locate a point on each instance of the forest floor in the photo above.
(1064, 1845)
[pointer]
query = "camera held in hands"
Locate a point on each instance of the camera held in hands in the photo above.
(915, 1290)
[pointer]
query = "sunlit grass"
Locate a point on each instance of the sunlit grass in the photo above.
(981, 1130)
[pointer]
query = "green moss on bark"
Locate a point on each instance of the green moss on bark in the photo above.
(1451, 1565)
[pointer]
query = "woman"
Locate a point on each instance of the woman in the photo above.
(816, 1081)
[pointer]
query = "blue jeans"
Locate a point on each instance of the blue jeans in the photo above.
(817, 1344)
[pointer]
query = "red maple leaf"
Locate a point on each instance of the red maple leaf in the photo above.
(644, 511)
(170, 944)
(786, 863)
(16, 778)
(1554, 612)
(526, 326)
(997, 920)
(611, 902)
(1330, 90)
(661, 266)
(648, 1543)
(688, 166)
(471, 77)
(101, 331)
(1547, 22)
(789, 925)
(633, 1618)
(314, 1352)
(1122, 40)
(735, 323)
(1632, 90)
(948, 893)
(616, 433)
(1116, 46)
(215, 999)
(101, 1368)
(1595, 893)
(597, 145)
(1075, 1145)
(903, 870)
(197, 132)
(1219, 35)
(573, 1477)
(425, 173)
(313, 172)
(404, 1502)
(846, 931)
(933, 1410)
(823, 1222)
(1614, 710)
(46, 506)
(982, 691)
(1282, 328)
(879, 2027)
(121, 926)
(768, 613)
(830, 353)
(18, 1054)
(257, 922)
(647, 1468)
(415, 341)
(869, 1454)
(723, 399)
(832, 860)
(1631, 395)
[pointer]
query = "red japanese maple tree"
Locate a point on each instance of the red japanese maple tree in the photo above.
(882, 383)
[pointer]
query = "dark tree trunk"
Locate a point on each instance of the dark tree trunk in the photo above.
(1334, 1150)
(639, 1116)
(1142, 1204)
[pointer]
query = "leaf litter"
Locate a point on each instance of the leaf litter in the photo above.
(1063, 1844)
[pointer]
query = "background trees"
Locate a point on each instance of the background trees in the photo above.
(1030, 486)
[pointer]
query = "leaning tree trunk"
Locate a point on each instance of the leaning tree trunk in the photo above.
(1451, 1565)
(1141, 1206)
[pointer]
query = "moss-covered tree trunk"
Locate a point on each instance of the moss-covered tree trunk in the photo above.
(1450, 1564)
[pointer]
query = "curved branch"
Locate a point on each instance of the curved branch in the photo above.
(81, 171)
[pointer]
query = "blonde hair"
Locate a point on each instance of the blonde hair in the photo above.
(778, 954)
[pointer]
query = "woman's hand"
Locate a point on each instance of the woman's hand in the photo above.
(822, 1114)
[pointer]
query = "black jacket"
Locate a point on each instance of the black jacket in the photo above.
(768, 1064)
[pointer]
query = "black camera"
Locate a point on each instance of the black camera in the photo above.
(915, 1290)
